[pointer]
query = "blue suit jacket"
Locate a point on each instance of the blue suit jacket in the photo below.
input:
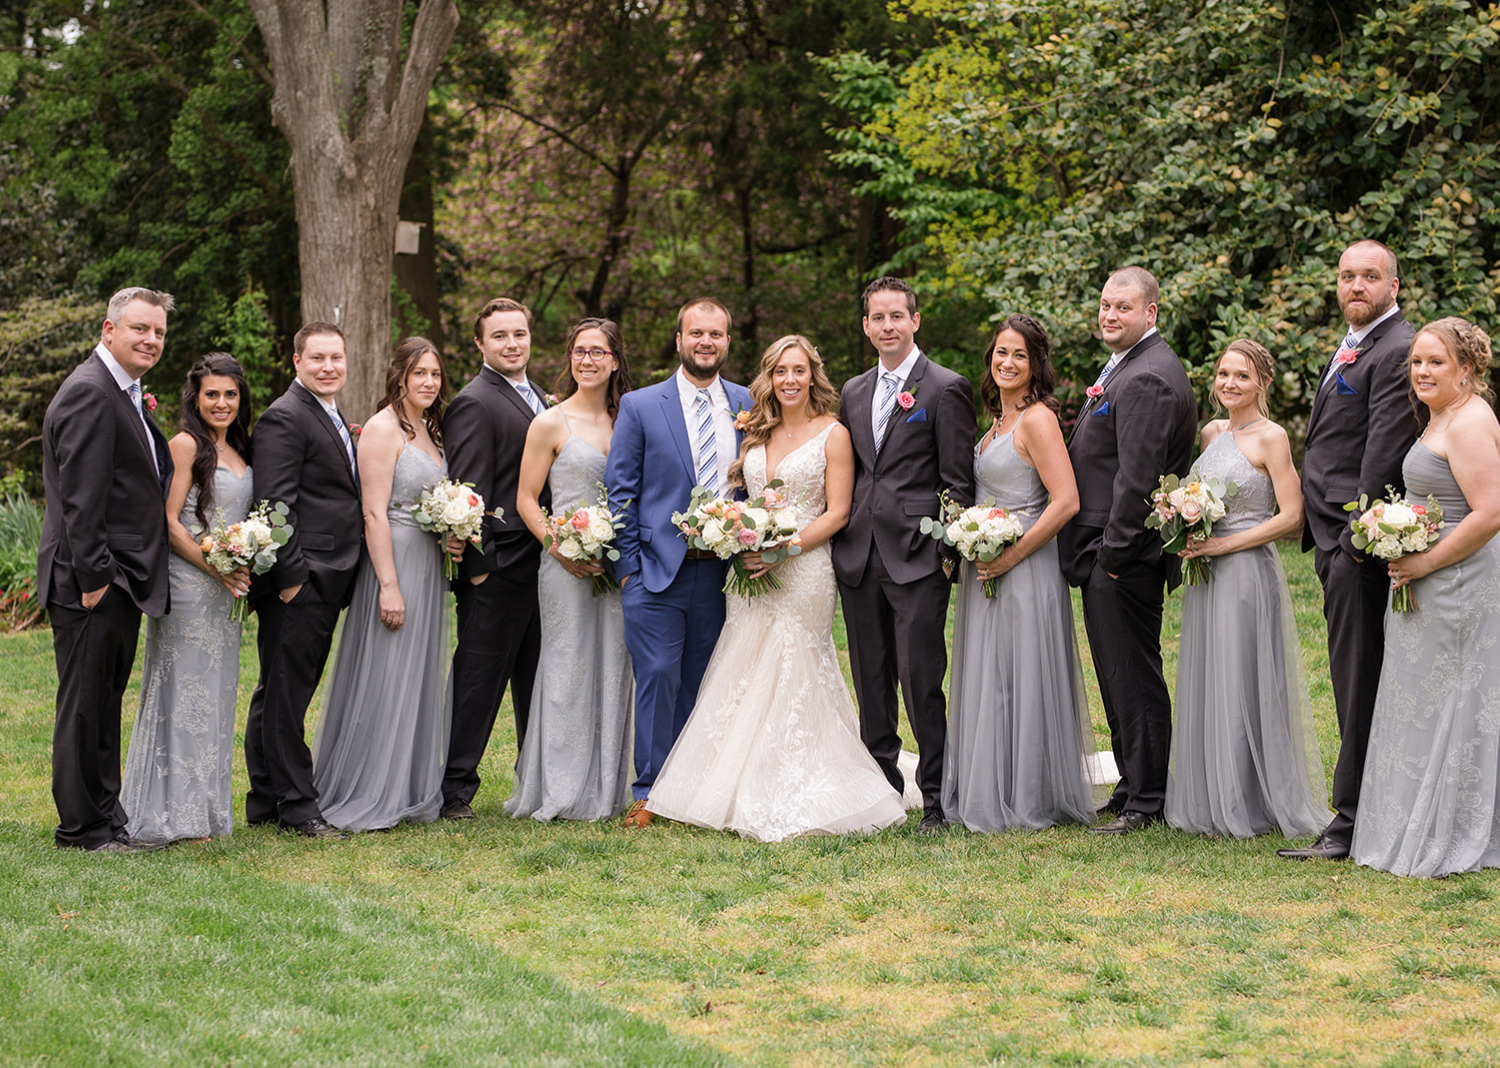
(651, 465)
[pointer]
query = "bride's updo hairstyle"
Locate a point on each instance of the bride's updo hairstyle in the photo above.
(765, 414)
(1467, 344)
(1262, 363)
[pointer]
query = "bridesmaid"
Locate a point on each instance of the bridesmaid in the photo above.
(575, 761)
(1430, 800)
(1018, 723)
(1244, 755)
(177, 778)
(379, 748)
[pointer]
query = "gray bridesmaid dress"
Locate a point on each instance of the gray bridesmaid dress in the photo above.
(575, 760)
(1430, 800)
(1018, 723)
(382, 737)
(177, 770)
(1244, 756)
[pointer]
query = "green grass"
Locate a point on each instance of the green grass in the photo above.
(514, 942)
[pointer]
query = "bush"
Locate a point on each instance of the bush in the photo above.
(20, 537)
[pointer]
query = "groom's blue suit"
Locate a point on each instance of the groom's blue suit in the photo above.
(674, 607)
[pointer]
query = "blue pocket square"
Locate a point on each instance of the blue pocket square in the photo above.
(918, 416)
(1103, 409)
(1344, 389)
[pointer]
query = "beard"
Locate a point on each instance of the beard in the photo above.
(691, 362)
(1361, 315)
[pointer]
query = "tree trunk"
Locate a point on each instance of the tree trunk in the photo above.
(351, 109)
(416, 276)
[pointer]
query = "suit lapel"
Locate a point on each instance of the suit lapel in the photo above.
(899, 414)
(861, 396)
(671, 407)
(326, 421)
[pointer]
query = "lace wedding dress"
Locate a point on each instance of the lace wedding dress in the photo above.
(772, 747)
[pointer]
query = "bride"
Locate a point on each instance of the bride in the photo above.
(772, 747)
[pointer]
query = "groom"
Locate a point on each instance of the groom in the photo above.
(912, 424)
(668, 439)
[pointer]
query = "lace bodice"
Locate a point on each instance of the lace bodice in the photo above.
(1254, 500)
(232, 495)
(801, 471)
(415, 471)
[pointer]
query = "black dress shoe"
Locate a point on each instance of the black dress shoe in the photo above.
(1324, 848)
(1127, 822)
(933, 822)
(1110, 808)
(317, 827)
(456, 810)
(122, 844)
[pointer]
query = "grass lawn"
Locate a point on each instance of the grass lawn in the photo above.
(515, 942)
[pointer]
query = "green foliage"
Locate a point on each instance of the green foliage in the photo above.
(1232, 149)
(41, 340)
(20, 537)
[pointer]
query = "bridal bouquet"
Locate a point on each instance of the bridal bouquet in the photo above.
(452, 508)
(980, 533)
(1392, 528)
(586, 532)
(729, 528)
(1186, 512)
(251, 543)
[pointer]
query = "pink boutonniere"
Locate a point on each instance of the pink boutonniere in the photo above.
(148, 401)
(906, 398)
(741, 419)
(1094, 392)
(355, 430)
(1344, 357)
(549, 399)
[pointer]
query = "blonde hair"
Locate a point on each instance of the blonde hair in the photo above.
(765, 414)
(1261, 362)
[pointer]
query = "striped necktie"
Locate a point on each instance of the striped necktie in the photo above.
(708, 445)
(135, 397)
(344, 435)
(884, 406)
(529, 396)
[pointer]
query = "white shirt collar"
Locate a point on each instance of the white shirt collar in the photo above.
(1364, 331)
(119, 374)
(903, 369)
(328, 406)
(1116, 357)
(688, 393)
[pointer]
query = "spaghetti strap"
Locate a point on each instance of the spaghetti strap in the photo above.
(566, 424)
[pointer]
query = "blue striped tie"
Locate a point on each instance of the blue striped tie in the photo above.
(529, 396)
(338, 421)
(884, 406)
(708, 445)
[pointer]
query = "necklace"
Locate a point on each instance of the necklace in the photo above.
(1242, 426)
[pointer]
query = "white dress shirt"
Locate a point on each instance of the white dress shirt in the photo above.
(718, 399)
(124, 381)
(333, 413)
(903, 369)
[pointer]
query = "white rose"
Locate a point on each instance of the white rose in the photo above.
(713, 533)
(455, 512)
(600, 529)
(1399, 515)
(569, 548)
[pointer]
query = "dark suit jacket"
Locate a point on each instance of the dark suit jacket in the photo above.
(106, 520)
(1142, 427)
(484, 434)
(927, 449)
(1358, 434)
(653, 467)
(300, 460)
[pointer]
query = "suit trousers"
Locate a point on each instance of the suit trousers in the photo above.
(293, 641)
(671, 637)
(897, 635)
(95, 651)
(1123, 619)
(1355, 595)
(499, 643)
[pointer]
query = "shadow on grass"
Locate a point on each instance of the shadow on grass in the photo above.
(183, 958)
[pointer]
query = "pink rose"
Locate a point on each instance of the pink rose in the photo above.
(746, 536)
(580, 520)
(1192, 512)
(1095, 392)
(149, 401)
(906, 400)
(996, 513)
(1346, 357)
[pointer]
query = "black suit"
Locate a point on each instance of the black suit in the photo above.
(106, 525)
(1359, 433)
(499, 624)
(300, 460)
(1141, 428)
(890, 574)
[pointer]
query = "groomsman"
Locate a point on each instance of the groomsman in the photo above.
(102, 560)
(302, 453)
(499, 621)
(669, 438)
(1137, 425)
(1361, 427)
(912, 424)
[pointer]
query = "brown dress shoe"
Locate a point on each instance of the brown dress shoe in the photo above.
(637, 816)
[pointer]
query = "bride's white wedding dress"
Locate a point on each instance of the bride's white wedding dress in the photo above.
(772, 748)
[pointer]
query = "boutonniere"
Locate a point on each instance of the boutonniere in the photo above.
(355, 430)
(1095, 392)
(1344, 357)
(742, 419)
(549, 399)
(906, 398)
(148, 401)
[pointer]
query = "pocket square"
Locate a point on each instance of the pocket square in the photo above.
(1103, 409)
(918, 416)
(1344, 389)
